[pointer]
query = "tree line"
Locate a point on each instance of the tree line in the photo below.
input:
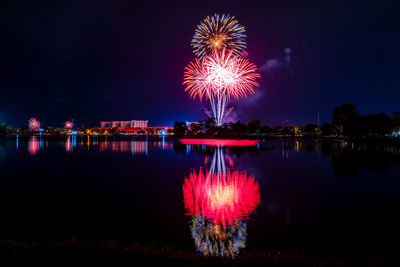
(345, 122)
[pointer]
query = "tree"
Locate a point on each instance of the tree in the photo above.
(343, 117)
(195, 128)
(238, 128)
(5, 129)
(209, 126)
(179, 128)
(326, 129)
(253, 126)
(266, 130)
(396, 119)
(379, 123)
(311, 129)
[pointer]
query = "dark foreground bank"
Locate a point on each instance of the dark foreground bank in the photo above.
(76, 253)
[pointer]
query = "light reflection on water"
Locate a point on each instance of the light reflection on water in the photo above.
(307, 188)
(34, 145)
(347, 157)
(133, 146)
(220, 199)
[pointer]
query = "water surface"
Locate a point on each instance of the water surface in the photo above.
(326, 197)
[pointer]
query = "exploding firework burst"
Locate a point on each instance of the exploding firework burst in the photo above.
(231, 75)
(220, 77)
(34, 124)
(216, 33)
(68, 125)
(196, 80)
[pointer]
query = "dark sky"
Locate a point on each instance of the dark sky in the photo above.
(121, 60)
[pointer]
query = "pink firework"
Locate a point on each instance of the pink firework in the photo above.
(196, 79)
(220, 77)
(34, 124)
(231, 75)
(68, 125)
(222, 73)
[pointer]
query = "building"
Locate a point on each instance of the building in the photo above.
(135, 123)
(124, 124)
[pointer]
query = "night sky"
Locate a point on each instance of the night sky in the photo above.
(123, 60)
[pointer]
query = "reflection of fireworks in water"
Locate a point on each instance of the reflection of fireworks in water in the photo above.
(70, 143)
(221, 200)
(33, 145)
(219, 205)
(213, 239)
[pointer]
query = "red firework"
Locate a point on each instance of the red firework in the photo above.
(34, 124)
(221, 74)
(225, 200)
(68, 124)
(196, 80)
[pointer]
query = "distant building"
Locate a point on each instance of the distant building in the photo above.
(125, 124)
(135, 123)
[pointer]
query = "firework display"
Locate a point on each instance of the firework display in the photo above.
(220, 73)
(220, 77)
(34, 124)
(33, 145)
(68, 124)
(218, 32)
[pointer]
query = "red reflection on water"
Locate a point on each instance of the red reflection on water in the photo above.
(221, 199)
(121, 146)
(135, 147)
(68, 145)
(219, 142)
(33, 145)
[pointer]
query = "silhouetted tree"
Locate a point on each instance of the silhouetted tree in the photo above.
(195, 128)
(326, 129)
(209, 126)
(266, 130)
(253, 126)
(396, 119)
(343, 118)
(379, 123)
(311, 129)
(5, 129)
(238, 128)
(179, 128)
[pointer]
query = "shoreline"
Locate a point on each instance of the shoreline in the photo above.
(89, 253)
